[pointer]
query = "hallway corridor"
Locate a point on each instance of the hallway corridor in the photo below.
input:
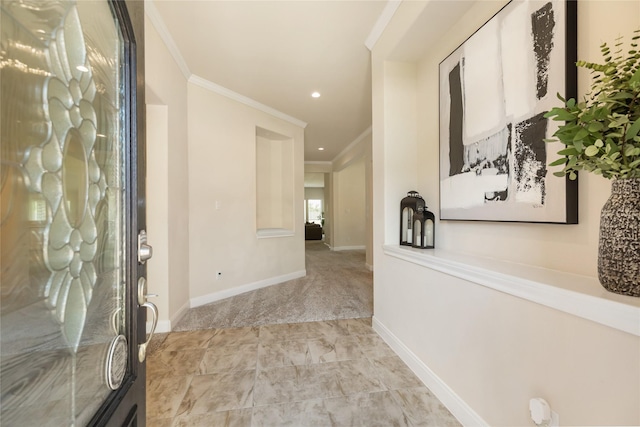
(337, 286)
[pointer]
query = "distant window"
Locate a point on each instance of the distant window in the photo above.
(313, 211)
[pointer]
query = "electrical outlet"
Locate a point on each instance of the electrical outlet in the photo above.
(555, 419)
(219, 275)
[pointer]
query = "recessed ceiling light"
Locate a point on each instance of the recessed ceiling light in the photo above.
(320, 148)
(315, 95)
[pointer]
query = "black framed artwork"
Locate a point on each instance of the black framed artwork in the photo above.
(494, 91)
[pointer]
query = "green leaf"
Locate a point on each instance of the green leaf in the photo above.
(568, 152)
(633, 130)
(595, 127)
(579, 146)
(558, 162)
(591, 151)
(565, 115)
(560, 174)
(581, 134)
(635, 77)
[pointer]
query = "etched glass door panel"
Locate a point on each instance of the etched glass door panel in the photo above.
(63, 211)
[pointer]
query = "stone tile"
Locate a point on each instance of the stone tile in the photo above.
(164, 395)
(423, 409)
(273, 354)
(355, 376)
(395, 374)
(235, 418)
(174, 363)
(374, 347)
(218, 392)
(156, 342)
(360, 326)
(308, 413)
(284, 332)
(327, 329)
(159, 422)
(235, 336)
(366, 410)
(332, 350)
(229, 358)
(187, 340)
(295, 383)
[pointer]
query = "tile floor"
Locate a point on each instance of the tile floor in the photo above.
(328, 373)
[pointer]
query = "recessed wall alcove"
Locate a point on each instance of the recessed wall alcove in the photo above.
(274, 184)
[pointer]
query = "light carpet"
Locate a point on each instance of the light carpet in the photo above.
(337, 286)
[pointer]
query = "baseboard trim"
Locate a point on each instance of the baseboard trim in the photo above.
(165, 325)
(458, 407)
(217, 296)
(347, 248)
(161, 327)
(369, 267)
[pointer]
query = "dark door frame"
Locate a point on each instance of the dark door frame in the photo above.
(127, 405)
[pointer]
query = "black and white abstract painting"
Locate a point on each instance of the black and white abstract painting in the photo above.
(494, 91)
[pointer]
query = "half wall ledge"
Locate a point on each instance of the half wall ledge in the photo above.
(581, 296)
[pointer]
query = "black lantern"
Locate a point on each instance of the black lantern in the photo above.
(417, 224)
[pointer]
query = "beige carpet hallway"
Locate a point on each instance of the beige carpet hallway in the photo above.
(337, 286)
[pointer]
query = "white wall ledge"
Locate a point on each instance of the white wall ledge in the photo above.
(266, 233)
(581, 296)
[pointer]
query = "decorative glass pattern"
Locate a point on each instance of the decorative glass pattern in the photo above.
(62, 208)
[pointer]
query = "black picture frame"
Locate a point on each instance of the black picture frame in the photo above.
(494, 90)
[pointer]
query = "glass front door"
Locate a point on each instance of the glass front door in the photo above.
(67, 211)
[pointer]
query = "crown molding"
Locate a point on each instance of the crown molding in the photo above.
(158, 23)
(318, 162)
(220, 90)
(353, 143)
(156, 19)
(381, 23)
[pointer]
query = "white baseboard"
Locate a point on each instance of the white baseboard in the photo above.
(161, 327)
(369, 267)
(165, 325)
(217, 296)
(458, 407)
(347, 248)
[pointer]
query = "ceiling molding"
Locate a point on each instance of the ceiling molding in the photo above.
(381, 23)
(157, 21)
(353, 143)
(317, 162)
(220, 90)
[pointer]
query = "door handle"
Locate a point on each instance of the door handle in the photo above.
(145, 251)
(142, 301)
(142, 348)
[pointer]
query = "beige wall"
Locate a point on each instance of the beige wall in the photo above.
(222, 199)
(167, 179)
(494, 351)
(361, 188)
(350, 206)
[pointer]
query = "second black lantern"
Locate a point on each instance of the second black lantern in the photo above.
(417, 224)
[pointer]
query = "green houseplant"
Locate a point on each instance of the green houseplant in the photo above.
(601, 134)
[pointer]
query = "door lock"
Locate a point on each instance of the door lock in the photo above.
(145, 251)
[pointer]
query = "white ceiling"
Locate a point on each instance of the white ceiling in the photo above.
(278, 52)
